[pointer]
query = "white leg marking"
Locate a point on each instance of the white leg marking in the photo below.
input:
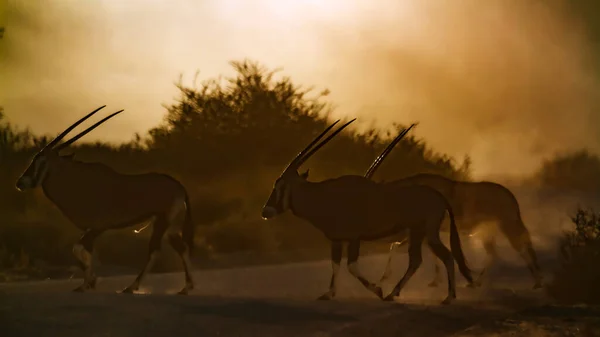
(353, 269)
(388, 267)
(86, 259)
(335, 267)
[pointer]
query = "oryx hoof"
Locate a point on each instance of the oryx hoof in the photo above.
(433, 284)
(325, 297)
(92, 283)
(184, 291)
(128, 290)
(474, 284)
(389, 298)
(379, 292)
(538, 285)
(82, 288)
(447, 301)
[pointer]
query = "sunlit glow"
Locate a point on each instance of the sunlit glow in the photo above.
(486, 68)
(288, 10)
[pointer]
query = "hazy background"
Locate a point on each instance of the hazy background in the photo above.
(508, 82)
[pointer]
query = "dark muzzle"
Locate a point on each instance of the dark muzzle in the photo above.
(268, 212)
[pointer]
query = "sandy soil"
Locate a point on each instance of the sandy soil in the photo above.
(280, 301)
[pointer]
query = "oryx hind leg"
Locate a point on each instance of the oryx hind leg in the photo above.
(353, 253)
(158, 231)
(183, 251)
(521, 242)
(440, 251)
(336, 260)
(415, 259)
(437, 277)
(177, 215)
(83, 251)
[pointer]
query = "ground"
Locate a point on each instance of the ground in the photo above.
(280, 300)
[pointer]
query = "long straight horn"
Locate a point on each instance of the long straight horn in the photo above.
(86, 131)
(387, 151)
(73, 126)
(325, 141)
(303, 152)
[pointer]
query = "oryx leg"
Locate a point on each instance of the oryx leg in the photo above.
(388, 267)
(489, 244)
(353, 253)
(336, 259)
(522, 244)
(415, 258)
(441, 252)
(183, 250)
(83, 251)
(158, 231)
(437, 277)
(178, 243)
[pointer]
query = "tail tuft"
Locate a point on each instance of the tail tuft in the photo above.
(456, 248)
(187, 231)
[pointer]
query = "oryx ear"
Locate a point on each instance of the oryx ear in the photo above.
(304, 175)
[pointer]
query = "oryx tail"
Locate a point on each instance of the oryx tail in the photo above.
(187, 231)
(456, 247)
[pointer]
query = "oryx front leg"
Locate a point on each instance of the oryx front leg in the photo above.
(160, 227)
(353, 253)
(336, 259)
(415, 258)
(437, 277)
(83, 251)
(388, 267)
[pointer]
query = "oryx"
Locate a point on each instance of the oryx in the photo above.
(475, 204)
(96, 198)
(352, 208)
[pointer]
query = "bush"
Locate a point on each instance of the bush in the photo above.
(577, 279)
(574, 173)
(226, 141)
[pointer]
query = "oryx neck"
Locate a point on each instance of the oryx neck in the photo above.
(55, 173)
(302, 197)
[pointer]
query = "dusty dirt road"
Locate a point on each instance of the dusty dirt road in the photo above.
(265, 301)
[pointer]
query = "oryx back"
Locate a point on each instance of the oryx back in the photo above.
(342, 206)
(93, 195)
(473, 203)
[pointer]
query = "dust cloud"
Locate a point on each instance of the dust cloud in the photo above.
(507, 82)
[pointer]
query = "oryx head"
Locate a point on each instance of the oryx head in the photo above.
(42, 162)
(279, 200)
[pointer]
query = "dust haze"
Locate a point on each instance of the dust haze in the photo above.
(507, 82)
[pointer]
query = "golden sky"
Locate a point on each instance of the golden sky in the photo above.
(508, 82)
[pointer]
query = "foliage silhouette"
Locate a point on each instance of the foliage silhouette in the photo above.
(569, 179)
(576, 281)
(226, 141)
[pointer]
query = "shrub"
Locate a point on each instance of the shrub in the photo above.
(576, 281)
